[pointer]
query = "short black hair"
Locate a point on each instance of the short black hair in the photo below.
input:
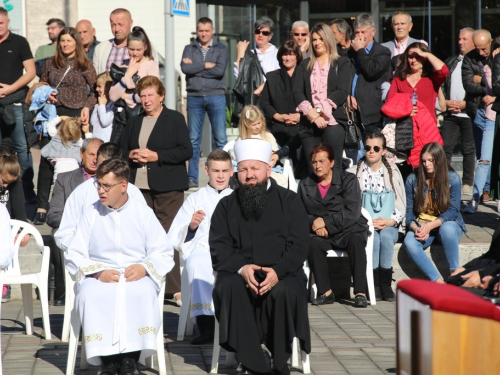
(59, 22)
(109, 150)
(204, 20)
(218, 155)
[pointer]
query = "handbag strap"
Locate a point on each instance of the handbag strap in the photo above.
(64, 75)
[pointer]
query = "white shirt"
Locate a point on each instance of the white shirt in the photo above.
(268, 60)
(457, 91)
(6, 242)
(108, 238)
(205, 199)
(82, 197)
(102, 120)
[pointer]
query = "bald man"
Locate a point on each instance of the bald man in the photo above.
(87, 33)
(114, 50)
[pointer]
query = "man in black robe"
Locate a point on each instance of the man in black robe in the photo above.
(258, 243)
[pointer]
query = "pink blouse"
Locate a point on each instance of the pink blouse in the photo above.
(488, 112)
(319, 93)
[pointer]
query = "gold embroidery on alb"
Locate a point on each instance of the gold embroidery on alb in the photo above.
(88, 269)
(93, 337)
(147, 330)
(201, 306)
(152, 270)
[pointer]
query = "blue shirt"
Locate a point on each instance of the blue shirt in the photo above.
(358, 68)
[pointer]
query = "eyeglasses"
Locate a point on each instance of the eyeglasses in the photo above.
(301, 34)
(375, 148)
(105, 187)
(259, 31)
(415, 56)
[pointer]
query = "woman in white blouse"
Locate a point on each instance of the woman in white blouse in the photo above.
(266, 52)
(375, 173)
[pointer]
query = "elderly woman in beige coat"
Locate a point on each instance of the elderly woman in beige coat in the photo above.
(376, 174)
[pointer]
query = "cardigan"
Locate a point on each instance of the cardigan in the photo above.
(170, 139)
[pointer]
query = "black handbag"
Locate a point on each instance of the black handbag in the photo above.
(352, 130)
(117, 73)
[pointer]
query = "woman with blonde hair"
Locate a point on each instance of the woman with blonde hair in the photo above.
(321, 87)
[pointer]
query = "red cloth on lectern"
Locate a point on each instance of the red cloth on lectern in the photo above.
(449, 298)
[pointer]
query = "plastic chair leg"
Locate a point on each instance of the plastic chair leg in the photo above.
(295, 352)
(160, 351)
(44, 301)
(27, 293)
(306, 366)
(74, 332)
(69, 302)
(216, 350)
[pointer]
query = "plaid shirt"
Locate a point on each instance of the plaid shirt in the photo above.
(118, 55)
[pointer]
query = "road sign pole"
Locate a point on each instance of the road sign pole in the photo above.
(170, 82)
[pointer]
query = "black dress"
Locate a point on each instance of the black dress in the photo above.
(279, 239)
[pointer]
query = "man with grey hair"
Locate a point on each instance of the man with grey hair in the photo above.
(87, 33)
(456, 120)
(300, 34)
(342, 32)
(372, 66)
(402, 25)
(63, 187)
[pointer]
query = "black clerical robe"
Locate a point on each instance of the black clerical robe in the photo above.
(279, 239)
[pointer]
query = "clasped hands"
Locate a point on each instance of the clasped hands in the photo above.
(319, 227)
(248, 271)
(133, 272)
(143, 156)
(288, 118)
(422, 232)
(381, 223)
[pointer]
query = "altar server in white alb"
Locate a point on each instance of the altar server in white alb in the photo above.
(189, 235)
(86, 194)
(119, 255)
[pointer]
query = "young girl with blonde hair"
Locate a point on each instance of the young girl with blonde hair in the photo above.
(63, 150)
(253, 125)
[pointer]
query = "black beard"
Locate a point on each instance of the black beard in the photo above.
(252, 200)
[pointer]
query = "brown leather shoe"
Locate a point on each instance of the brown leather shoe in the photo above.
(486, 197)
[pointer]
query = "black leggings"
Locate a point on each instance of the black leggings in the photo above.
(331, 135)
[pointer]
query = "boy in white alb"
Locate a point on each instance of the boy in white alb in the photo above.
(119, 256)
(189, 235)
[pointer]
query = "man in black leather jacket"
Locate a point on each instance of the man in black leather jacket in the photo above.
(456, 121)
(473, 81)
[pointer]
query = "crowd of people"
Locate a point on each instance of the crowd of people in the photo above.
(356, 119)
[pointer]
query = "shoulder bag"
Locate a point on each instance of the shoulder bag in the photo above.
(379, 204)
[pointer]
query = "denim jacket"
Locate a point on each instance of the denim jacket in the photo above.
(451, 214)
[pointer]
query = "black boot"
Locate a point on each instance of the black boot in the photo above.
(206, 326)
(376, 281)
(385, 284)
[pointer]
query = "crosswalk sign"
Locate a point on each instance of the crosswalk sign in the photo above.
(180, 8)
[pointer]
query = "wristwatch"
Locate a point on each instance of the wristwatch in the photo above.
(319, 111)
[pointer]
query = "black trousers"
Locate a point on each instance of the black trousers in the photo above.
(332, 135)
(275, 318)
(46, 170)
(451, 128)
(57, 259)
(319, 246)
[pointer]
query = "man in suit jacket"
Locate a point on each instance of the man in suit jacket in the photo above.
(63, 187)
(402, 25)
(372, 66)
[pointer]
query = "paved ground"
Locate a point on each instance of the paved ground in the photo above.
(345, 340)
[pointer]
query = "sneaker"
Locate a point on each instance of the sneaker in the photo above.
(471, 207)
(467, 190)
(486, 197)
(6, 293)
(192, 183)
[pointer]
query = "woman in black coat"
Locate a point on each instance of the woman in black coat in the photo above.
(332, 199)
(321, 87)
(157, 145)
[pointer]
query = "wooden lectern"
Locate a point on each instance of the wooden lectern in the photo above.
(445, 330)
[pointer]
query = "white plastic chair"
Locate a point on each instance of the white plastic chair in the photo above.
(342, 254)
(185, 326)
(287, 168)
(74, 333)
(69, 301)
(13, 275)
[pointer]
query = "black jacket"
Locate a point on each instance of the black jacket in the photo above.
(375, 69)
(451, 63)
(250, 77)
(495, 82)
(170, 139)
(339, 83)
(340, 209)
(473, 65)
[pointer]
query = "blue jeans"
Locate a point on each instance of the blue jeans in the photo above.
(383, 247)
(19, 143)
(215, 106)
(483, 130)
(449, 234)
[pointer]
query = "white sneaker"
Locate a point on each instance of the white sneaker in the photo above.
(467, 189)
(471, 207)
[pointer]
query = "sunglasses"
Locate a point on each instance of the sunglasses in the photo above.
(413, 56)
(297, 34)
(375, 148)
(265, 33)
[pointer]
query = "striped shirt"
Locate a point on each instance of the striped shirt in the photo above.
(204, 51)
